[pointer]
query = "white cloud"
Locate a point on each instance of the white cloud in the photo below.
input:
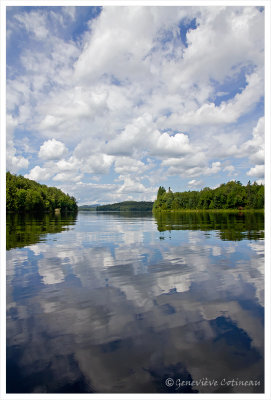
(191, 166)
(38, 174)
(128, 165)
(257, 171)
(255, 146)
(197, 171)
(67, 176)
(102, 193)
(71, 165)
(229, 168)
(130, 89)
(97, 163)
(194, 183)
(142, 136)
(14, 161)
(123, 38)
(34, 23)
(165, 145)
(234, 27)
(131, 186)
(70, 11)
(52, 150)
(50, 121)
(227, 112)
(216, 167)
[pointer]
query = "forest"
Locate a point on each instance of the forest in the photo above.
(25, 195)
(231, 195)
(127, 206)
(88, 207)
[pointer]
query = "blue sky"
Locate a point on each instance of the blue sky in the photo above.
(109, 103)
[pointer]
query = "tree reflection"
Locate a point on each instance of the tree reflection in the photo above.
(25, 229)
(229, 226)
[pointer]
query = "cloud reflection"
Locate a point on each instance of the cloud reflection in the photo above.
(119, 312)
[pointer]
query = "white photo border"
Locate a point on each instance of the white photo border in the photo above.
(98, 396)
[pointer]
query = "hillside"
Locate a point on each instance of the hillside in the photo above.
(25, 195)
(86, 207)
(127, 206)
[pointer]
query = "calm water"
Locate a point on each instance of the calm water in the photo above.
(132, 303)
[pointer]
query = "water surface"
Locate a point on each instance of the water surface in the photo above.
(130, 303)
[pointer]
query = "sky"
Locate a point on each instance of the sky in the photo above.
(109, 103)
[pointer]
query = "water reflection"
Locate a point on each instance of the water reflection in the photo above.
(229, 226)
(109, 307)
(25, 229)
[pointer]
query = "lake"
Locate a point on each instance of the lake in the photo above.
(132, 303)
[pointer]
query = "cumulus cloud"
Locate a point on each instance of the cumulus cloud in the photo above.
(112, 38)
(229, 168)
(237, 28)
(67, 176)
(142, 136)
(226, 112)
(128, 165)
(97, 163)
(14, 161)
(52, 150)
(194, 183)
(170, 146)
(38, 174)
(131, 186)
(257, 171)
(68, 165)
(255, 146)
(175, 96)
(191, 166)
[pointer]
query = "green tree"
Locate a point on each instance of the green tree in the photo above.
(27, 195)
(161, 191)
(230, 195)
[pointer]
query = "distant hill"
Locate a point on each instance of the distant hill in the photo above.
(127, 206)
(86, 207)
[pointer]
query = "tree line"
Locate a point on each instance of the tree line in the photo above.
(127, 206)
(231, 195)
(25, 195)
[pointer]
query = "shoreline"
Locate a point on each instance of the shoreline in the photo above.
(216, 210)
